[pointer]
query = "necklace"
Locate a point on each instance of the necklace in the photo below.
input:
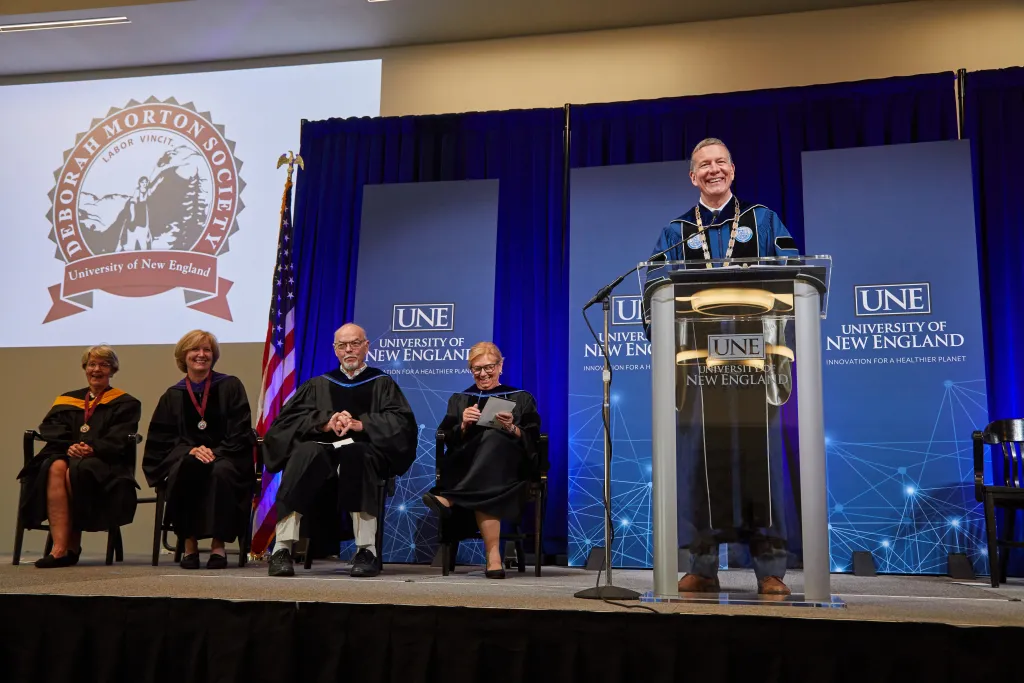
(732, 233)
(90, 408)
(201, 409)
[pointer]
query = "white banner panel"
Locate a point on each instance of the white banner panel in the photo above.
(137, 209)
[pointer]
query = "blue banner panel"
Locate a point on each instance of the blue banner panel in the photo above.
(617, 214)
(425, 295)
(903, 354)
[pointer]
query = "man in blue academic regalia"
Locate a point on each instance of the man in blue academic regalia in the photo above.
(729, 440)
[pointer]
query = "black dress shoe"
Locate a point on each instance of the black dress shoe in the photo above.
(75, 556)
(51, 562)
(217, 561)
(190, 561)
(431, 501)
(281, 564)
(495, 573)
(364, 564)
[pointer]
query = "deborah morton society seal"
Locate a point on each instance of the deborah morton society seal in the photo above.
(145, 202)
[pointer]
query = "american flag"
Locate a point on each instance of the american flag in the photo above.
(278, 366)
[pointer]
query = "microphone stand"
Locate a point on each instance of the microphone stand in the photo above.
(608, 591)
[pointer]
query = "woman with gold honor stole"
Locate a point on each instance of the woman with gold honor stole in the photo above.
(728, 438)
(83, 479)
(485, 470)
(200, 447)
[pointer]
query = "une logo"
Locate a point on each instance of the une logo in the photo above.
(627, 310)
(423, 318)
(914, 298)
(735, 346)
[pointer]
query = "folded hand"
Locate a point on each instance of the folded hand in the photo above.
(203, 454)
(80, 450)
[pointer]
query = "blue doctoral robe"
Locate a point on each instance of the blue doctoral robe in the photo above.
(729, 438)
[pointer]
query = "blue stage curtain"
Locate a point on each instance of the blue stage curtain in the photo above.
(524, 151)
(767, 131)
(994, 121)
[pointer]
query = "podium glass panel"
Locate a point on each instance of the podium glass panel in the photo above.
(727, 338)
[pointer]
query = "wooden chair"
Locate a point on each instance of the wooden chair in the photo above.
(162, 527)
(537, 493)
(115, 547)
(1006, 492)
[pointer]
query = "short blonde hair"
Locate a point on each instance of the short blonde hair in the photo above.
(484, 349)
(192, 340)
(104, 353)
(708, 142)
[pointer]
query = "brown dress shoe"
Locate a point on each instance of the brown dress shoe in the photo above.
(772, 585)
(694, 583)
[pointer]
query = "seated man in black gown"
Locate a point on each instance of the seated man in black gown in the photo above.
(486, 470)
(343, 431)
(200, 447)
(84, 477)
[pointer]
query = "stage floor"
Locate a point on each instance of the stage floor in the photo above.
(882, 598)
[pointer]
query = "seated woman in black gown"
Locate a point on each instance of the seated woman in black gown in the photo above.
(84, 477)
(486, 469)
(200, 448)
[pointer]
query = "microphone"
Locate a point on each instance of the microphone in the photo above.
(607, 289)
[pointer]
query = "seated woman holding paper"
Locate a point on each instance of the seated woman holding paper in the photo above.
(490, 433)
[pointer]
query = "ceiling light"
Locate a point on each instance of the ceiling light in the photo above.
(69, 23)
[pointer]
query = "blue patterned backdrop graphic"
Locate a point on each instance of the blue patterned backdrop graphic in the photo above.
(631, 483)
(616, 214)
(424, 304)
(907, 512)
(903, 354)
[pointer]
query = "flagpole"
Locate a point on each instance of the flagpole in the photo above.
(273, 374)
(291, 159)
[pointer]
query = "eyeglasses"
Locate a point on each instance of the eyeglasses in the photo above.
(484, 369)
(349, 345)
(93, 365)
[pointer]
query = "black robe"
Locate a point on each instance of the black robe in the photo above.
(102, 485)
(486, 469)
(295, 444)
(203, 500)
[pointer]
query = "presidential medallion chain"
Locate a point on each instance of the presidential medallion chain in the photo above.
(732, 234)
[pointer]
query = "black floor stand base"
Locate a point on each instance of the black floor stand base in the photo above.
(607, 593)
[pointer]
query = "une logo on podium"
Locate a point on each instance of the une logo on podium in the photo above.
(423, 318)
(627, 309)
(735, 346)
(914, 298)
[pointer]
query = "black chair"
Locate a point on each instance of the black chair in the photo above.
(386, 490)
(115, 547)
(162, 527)
(537, 493)
(1007, 494)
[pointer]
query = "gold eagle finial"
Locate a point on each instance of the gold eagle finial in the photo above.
(291, 159)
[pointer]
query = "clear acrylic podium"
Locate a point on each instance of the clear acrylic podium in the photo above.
(728, 339)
